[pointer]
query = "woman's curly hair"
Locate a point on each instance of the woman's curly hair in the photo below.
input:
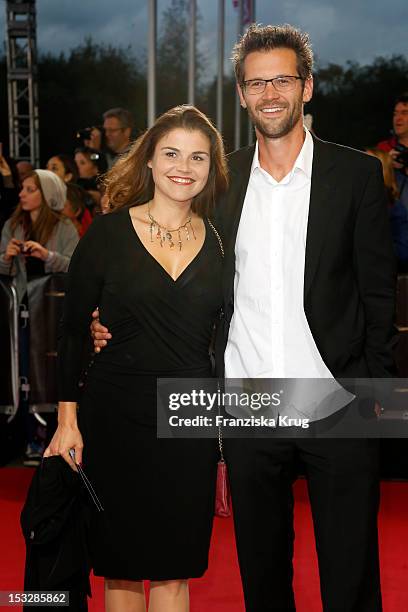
(130, 182)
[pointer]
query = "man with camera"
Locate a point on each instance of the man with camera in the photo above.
(397, 146)
(114, 137)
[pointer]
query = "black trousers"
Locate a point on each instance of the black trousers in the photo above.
(343, 484)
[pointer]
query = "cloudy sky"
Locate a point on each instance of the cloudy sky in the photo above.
(341, 30)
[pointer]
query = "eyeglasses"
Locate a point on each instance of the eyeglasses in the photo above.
(111, 130)
(281, 84)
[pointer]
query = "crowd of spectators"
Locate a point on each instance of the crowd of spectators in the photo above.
(43, 214)
(84, 167)
(393, 152)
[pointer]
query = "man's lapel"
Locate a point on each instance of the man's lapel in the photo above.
(321, 200)
(240, 169)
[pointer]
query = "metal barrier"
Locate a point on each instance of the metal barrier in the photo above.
(9, 369)
(45, 299)
(401, 354)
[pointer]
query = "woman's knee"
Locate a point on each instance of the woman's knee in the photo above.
(116, 584)
(173, 588)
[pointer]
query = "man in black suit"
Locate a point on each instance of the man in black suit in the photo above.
(309, 293)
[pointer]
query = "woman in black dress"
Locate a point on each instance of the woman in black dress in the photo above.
(153, 266)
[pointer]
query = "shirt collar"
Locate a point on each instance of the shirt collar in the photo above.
(304, 160)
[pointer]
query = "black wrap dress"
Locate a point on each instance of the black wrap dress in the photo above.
(158, 494)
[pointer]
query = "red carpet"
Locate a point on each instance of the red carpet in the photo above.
(219, 590)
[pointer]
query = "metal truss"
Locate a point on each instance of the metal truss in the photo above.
(22, 81)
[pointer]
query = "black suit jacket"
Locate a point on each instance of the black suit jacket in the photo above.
(350, 271)
(55, 521)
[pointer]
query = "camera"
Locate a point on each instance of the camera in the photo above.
(85, 133)
(25, 250)
(402, 157)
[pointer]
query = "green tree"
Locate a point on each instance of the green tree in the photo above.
(353, 104)
(209, 105)
(75, 90)
(172, 58)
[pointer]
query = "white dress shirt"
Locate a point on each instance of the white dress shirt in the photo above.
(269, 335)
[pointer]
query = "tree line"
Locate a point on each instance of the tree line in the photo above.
(352, 104)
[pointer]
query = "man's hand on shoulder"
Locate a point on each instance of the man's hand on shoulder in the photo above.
(99, 333)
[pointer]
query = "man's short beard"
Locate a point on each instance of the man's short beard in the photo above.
(282, 129)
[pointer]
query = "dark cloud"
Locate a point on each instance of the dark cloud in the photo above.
(341, 30)
(344, 30)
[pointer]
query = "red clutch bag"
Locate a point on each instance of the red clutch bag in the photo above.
(222, 492)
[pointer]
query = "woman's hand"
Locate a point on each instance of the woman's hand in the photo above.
(95, 141)
(99, 333)
(67, 436)
(13, 248)
(35, 249)
(4, 167)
